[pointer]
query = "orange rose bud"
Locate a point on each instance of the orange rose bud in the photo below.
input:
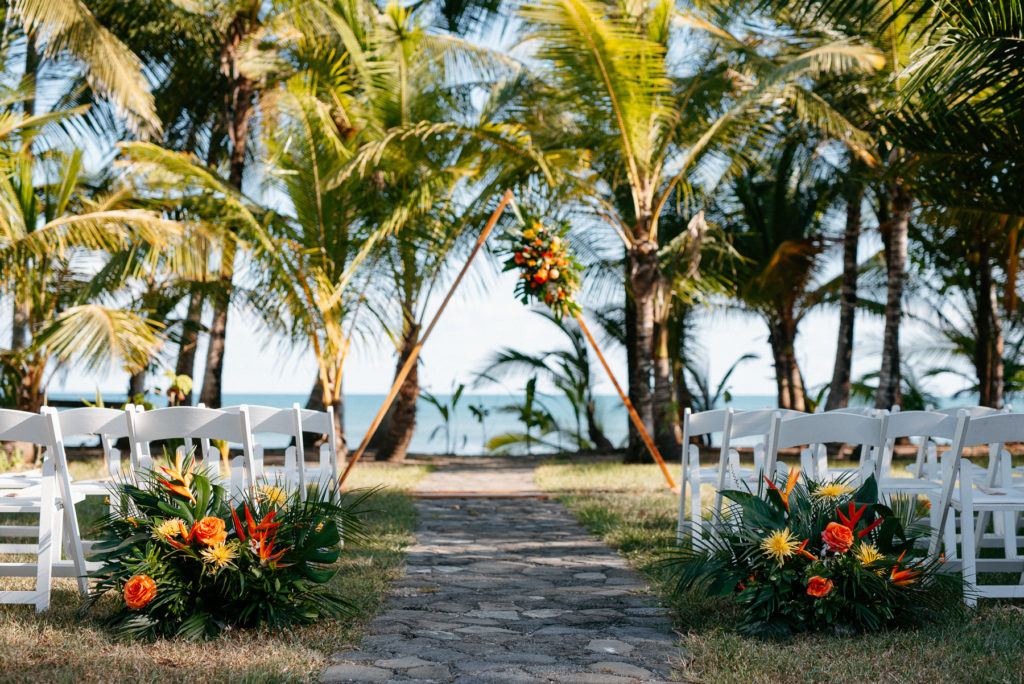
(138, 591)
(209, 531)
(541, 275)
(819, 587)
(837, 537)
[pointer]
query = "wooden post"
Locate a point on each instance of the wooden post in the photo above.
(634, 416)
(415, 353)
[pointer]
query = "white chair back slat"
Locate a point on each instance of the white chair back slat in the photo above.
(816, 430)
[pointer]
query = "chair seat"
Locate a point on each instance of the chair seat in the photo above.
(708, 474)
(28, 500)
(992, 499)
(20, 480)
(909, 485)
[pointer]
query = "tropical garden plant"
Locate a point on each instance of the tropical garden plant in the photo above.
(187, 562)
(799, 556)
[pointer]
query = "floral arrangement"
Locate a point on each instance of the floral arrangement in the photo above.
(809, 556)
(185, 563)
(548, 272)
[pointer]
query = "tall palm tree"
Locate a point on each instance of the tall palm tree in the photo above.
(628, 110)
(777, 226)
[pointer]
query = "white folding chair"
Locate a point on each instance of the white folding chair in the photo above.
(322, 423)
(265, 420)
(192, 424)
(704, 423)
(814, 432)
(994, 498)
(52, 493)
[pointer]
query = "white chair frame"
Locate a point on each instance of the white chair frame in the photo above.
(814, 431)
(192, 424)
(42, 430)
(269, 420)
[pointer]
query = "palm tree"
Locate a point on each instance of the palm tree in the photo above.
(567, 369)
(632, 116)
(776, 214)
(49, 232)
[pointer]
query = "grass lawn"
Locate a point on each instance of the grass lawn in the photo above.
(640, 517)
(63, 646)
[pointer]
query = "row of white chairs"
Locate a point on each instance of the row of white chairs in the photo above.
(51, 493)
(973, 507)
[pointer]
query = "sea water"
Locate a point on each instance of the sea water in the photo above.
(465, 434)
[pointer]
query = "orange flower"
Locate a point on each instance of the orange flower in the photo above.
(902, 577)
(209, 531)
(806, 554)
(541, 275)
(138, 591)
(257, 532)
(519, 258)
(182, 475)
(790, 483)
(819, 587)
(837, 537)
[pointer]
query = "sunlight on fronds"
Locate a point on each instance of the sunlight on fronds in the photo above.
(100, 337)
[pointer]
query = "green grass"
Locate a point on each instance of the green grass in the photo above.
(63, 646)
(985, 647)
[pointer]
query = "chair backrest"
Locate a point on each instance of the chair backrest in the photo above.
(21, 426)
(972, 411)
(322, 422)
(191, 423)
(816, 430)
(281, 421)
(925, 425)
(93, 420)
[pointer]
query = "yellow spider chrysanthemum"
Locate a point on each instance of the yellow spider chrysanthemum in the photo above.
(780, 545)
(867, 553)
(833, 490)
(218, 556)
(274, 495)
(170, 528)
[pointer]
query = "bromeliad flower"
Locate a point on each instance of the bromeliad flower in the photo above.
(182, 477)
(780, 545)
(832, 490)
(854, 517)
(790, 483)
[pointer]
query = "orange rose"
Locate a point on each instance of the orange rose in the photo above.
(209, 531)
(819, 587)
(540, 276)
(138, 591)
(837, 537)
(519, 258)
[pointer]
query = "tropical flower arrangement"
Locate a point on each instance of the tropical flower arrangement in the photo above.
(813, 556)
(185, 563)
(548, 271)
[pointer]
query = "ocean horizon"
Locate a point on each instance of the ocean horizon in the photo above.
(468, 436)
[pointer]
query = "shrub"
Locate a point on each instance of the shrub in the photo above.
(187, 564)
(814, 556)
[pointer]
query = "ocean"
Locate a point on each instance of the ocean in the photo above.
(467, 435)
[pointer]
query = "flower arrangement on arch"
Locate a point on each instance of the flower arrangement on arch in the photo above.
(548, 271)
(810, 556)
(186, 563)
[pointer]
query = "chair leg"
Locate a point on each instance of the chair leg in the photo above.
(681, 517)
(49, 533)
(697, 522)
(968, 546)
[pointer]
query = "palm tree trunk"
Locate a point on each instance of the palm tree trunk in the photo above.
(668, 435)
(788, 379)
(318, 401)
(186, 364)
(136, 384)
(988, 350)
(597, 437)
(839, 389)
(395, 444)
(643, 280)
(894, 238)
(237, 112)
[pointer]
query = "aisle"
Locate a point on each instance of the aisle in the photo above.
(511, 590)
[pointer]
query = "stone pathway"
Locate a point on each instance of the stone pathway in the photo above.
(511, 590)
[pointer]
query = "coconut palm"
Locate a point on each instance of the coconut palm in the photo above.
(632, 114)
(777, 214)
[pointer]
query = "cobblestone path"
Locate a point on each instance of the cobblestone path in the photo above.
(512, 590)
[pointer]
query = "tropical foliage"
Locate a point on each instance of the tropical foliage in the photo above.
(186, 563)
(802, 556)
